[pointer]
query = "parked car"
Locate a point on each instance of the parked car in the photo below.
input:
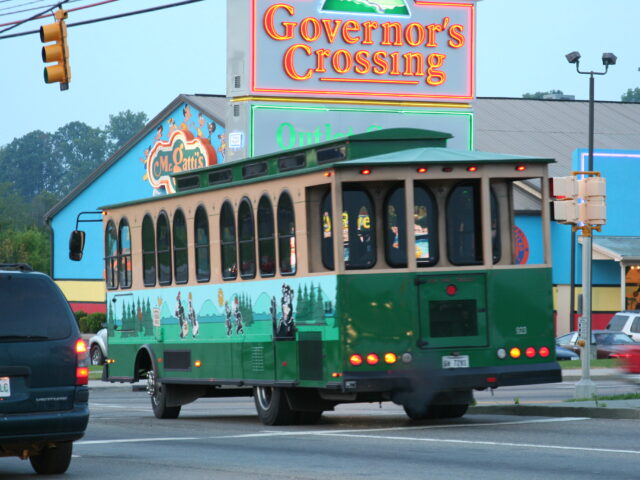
(43, 371)
(98, 347)
(564, 354)
(609, 344)
(627, 322)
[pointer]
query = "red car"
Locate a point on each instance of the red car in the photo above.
(609, 344)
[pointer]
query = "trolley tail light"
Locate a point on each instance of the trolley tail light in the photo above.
(544, 352)
(355, 360)
(521, 168)
(373, 359)
(82, 363)
(515, 352)
(390, 358)
(422, 170)
(530, 352)
(365, 171)
(472, 168)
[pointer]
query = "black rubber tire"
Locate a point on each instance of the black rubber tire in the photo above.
(436, 411)
(96, 355)
(307, 418)
(272, 406)
(157, 391)
(417, 412)
(452, 411)
(53, 460)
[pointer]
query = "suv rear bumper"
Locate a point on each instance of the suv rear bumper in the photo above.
(25, 428)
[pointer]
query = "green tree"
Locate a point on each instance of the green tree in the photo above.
(28, 163)
(80, 149)
(632, 95)
(27, 246)
(540, 95)
(122, 127)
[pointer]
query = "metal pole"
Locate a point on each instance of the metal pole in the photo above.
(572, 288)
(586, 388)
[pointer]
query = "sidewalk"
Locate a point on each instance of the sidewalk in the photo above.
(613, 409)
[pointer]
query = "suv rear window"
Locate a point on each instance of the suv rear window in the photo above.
(617, 322)
(33, 308)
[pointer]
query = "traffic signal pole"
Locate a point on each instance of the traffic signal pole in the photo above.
(585, 388)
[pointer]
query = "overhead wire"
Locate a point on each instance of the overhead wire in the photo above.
(68, 10)
(95, 20)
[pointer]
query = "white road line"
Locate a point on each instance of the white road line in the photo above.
(493, 444)
(363, 433)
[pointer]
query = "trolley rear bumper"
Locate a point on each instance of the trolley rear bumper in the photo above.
(452, 379)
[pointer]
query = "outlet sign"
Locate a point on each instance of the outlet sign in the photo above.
(383, 49)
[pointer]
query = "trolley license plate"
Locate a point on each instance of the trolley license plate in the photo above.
(460, 361)
(5, 387)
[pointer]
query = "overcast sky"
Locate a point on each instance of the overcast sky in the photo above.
(143, 62)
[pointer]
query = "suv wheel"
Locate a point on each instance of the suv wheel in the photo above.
(52, 459)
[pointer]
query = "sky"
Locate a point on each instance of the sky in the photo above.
(143, 62)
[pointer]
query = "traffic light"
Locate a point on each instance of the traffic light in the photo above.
(57, 52)
(579, 201)
(593, 209)
(564, 190)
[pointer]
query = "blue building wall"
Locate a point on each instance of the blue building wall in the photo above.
(125, 180)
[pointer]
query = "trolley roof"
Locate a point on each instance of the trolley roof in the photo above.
(399, 146)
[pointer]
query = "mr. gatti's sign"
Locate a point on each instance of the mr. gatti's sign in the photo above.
(407, 49)
(182, 152)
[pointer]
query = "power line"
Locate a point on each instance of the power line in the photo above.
(58, 5)
(33, 18)
(102, 19)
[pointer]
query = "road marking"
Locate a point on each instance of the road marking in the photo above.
(139, 440)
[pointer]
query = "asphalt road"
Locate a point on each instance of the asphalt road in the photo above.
(223, 439)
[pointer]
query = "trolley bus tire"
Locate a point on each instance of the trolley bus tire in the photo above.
(308, 418)
(158, 392)
(272, 406)
(436, 411)
(452, 411)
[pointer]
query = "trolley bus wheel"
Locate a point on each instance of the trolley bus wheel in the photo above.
(157, 391)
(436, 411)
(272, 406)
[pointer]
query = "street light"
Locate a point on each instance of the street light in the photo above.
(585, 388)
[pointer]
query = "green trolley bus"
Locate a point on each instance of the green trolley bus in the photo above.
(375, 267)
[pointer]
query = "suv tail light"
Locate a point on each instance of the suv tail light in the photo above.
(82, 363)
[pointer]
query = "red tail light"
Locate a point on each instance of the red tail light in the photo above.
(82, 375)
(355, 360)
(544, 352)
(530, 352)
(373, 359)
(82, 363)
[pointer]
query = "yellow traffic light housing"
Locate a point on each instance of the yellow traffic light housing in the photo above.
(57, 52)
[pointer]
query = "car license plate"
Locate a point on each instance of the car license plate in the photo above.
(459, 361)
(5, 387)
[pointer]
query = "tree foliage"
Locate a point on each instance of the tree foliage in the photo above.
(38, 169)
(541, 95)
(632, 95)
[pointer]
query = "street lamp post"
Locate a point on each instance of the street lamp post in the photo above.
(586, 388)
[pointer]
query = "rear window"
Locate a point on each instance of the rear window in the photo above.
(617, 322)
(32, 307)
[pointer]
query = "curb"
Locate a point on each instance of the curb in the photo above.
(557, 411)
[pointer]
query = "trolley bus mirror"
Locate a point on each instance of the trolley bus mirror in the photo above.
(76, 245)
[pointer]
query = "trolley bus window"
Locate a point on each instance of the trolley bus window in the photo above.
(326, 245)
(358, 227)
(246, 240)
(124, 253)
(464, 225)
(266, 238)
(180, 256)
(425, 225)
(148, 252)
(228, 242)
(163, 242)
(111, 256)
(286, 235)
(203, 263)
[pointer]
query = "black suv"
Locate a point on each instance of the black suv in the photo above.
(43, 371)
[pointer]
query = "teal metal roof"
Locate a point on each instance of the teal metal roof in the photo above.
(618, 248)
